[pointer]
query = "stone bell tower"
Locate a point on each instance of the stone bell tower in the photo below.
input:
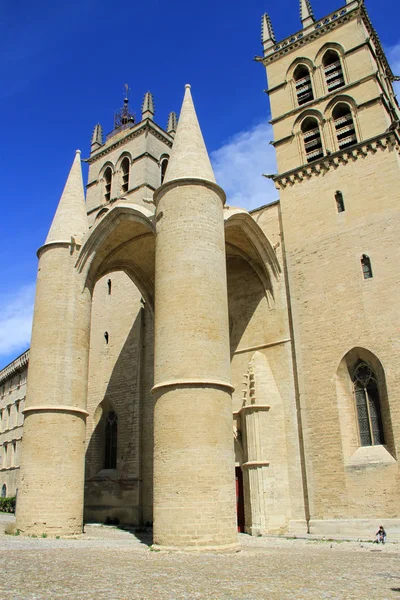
(194, 502)
(336, 131)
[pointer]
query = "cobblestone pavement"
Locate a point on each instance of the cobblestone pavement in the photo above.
(107, 563)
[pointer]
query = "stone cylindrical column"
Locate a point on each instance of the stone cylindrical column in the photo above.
(194, 485)
(50, 498)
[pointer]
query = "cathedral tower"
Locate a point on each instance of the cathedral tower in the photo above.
(52, 470)
(194, 502)
(336, 135)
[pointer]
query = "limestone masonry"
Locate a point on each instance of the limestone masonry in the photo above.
(207, 369)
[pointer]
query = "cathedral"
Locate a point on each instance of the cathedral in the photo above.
(209, 370)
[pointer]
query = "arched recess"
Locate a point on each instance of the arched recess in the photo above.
(124, 239)
(342, 115)
(300, 77)
(349, 417)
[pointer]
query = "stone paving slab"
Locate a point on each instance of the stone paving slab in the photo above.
(107, 563)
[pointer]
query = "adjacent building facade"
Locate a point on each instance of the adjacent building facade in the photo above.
(180, 344)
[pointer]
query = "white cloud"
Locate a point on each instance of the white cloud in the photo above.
(239, 164)
(16, 311)
(393, 55)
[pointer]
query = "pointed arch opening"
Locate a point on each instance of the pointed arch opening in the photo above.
(333, 70)
(107, 184)
(163, 167)
(303, 85)
(344, 125)
(125, 169)
(312, 139)
(4, 491)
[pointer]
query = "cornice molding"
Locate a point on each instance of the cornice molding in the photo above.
(333, 161)
(19, 364)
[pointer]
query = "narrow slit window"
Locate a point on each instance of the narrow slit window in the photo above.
(125, 167)
(107, 184)
(339, 201)
(368, 405)
(4, 491)
(344, 126)
(333, 70)
(312, 139)
(302, 79)
(366, 267)
(110, 446)
(164, 165)
(106, 336)
(109, 285)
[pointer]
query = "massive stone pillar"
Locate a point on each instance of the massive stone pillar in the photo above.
(194, 488)
(50, 498)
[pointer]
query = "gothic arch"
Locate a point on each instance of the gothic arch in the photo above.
(353, 449)
(124, 239)
(300, 60)
(335, 46)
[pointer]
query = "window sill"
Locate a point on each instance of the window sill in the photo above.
(370, 456)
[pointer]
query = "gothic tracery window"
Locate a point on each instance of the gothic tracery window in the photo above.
(110, 441)
(344, 126)
(333, 70)
(302, 79)
(312, 139)
(368, 405)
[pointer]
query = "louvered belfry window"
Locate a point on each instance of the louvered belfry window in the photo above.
(107, 184)
(312, 139)
(304, 91)
(344, 126)
(333, 70)
(125, 175)
(368, 405)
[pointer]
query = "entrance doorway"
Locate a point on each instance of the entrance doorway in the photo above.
(239, 499)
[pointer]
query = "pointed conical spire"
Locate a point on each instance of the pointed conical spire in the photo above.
(189, 156)
(172, 123)
(70, 219)
(306, 13)
(148, 106)
(267, 33)
(97, 138)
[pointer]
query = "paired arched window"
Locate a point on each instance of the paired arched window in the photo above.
(368, 405)
(4, 491)
(312, 139)
(344, 125)
(110, 440)
(333, 70)
(163, 167)
(107, 184)
(125, 167)
(302, 79)
(339, 201)
(366, 266)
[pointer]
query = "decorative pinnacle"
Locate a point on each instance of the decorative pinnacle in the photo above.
(148, 106)
(172, 123)
(267, 33)
(97, 137)
(306, 13)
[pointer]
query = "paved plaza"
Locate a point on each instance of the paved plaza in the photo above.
(107, 563)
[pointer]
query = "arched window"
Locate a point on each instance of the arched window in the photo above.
(110, 441)
(333, 70)
(107, 184)
(164, 165)
(312, 139)
(125, 166)
(302, 78)
(339, 201)
(368, 405)
(366, 267)
(344, 126)
(4, 491)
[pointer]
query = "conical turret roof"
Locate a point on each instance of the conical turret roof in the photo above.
(70, 218)
(189, 156)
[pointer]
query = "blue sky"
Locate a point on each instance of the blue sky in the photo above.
(63, 67)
